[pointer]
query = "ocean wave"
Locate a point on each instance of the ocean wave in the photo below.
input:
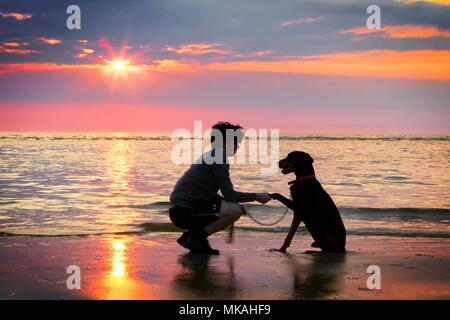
(69, 234)
(161, 205)
(146, 228)
(86, 138)
(164, 205)
(360, 232)
(368, 138)
(425, 214)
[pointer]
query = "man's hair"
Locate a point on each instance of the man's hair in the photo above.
(223, 127)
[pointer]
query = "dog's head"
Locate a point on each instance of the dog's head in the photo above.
(295, 162)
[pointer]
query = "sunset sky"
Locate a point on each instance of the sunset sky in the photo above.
(152, 66)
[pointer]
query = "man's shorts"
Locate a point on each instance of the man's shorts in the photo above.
(198, 215)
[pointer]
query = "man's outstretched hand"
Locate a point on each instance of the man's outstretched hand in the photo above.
(263, 198)
(275, 196)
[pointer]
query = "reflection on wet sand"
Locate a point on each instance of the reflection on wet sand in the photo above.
(118, 269)
(117, 281)
(200, 277)
(314, 276)
(321, 279)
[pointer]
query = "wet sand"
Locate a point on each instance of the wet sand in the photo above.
(153, 266)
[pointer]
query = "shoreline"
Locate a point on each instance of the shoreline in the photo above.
(153, 266)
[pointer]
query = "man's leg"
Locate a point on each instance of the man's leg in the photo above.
(195, 239)
(229, 213)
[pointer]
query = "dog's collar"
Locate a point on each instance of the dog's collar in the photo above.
(312, 176)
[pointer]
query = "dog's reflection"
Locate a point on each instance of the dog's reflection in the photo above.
(201, 277)
(322, 278)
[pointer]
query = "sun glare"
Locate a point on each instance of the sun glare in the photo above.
(118, 65)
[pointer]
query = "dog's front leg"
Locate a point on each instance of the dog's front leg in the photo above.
(288, 203)
(294, 226)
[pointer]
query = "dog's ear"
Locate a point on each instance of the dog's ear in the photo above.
(303, 159)
(308, 158)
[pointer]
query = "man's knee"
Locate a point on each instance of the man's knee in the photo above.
(237, 211)
(233, 211)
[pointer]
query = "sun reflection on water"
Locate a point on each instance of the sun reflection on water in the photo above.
(120, 173)
(119, 164)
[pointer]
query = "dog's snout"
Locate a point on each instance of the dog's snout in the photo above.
(282, 163)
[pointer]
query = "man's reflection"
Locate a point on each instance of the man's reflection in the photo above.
(201, 277)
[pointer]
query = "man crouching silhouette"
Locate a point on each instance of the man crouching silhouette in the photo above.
(195, 205)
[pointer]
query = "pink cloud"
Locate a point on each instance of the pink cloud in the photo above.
(307, 20)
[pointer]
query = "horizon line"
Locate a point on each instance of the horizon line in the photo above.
(281, 133)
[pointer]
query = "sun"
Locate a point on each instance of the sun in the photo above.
(119, 65)
(121, 68)
(120, 71)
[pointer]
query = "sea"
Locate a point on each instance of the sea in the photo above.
(81, 184)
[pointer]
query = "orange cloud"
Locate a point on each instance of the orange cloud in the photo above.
(159, 65)
(11, 44)
(199, 49)
(172, 66)
(402, 31)
(85, 53)
(82, 41)
(49, 40)
(213, 48)
(43, 66)
(16, 15)
(440, 2)
(13, 49)
(416, 64)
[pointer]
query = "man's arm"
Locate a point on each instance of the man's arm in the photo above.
(222, 177)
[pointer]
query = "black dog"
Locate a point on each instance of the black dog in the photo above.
(312, 205)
